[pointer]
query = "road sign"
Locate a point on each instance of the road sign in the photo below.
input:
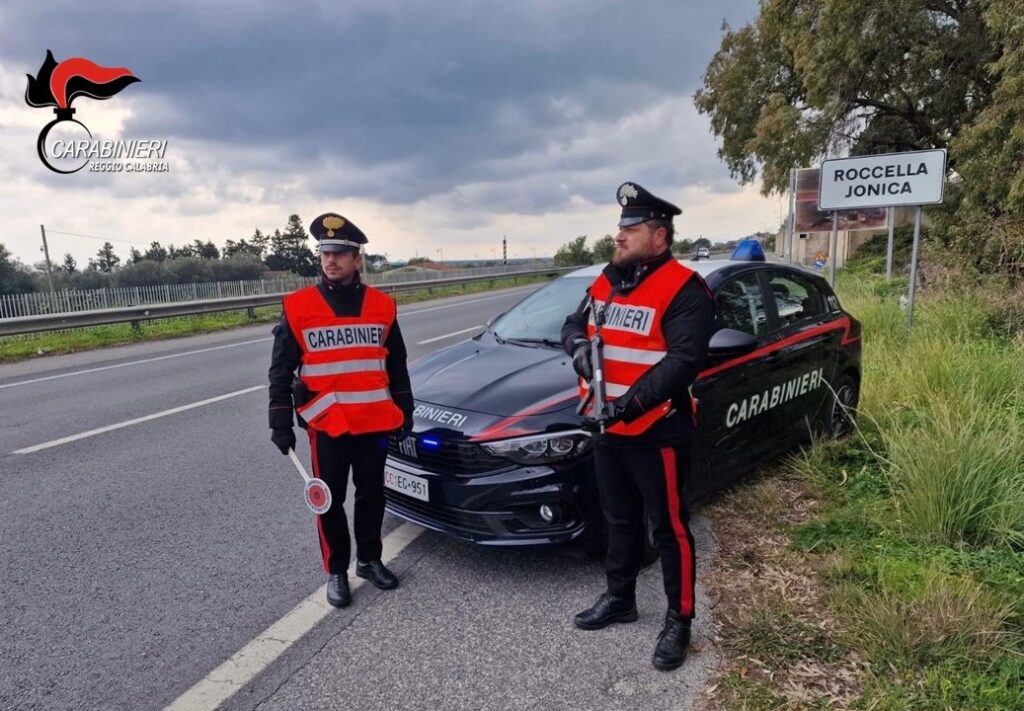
(890, 179)
(316, 492)
(318, 496)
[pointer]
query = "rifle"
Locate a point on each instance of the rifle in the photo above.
(596, 387)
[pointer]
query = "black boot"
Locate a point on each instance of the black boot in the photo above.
(673, 642)
(605, 611)
(376, 573)
(338, 592)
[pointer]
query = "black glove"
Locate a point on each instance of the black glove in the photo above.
(613, 414)
(581, 360)
(406, 429)
(283, 438)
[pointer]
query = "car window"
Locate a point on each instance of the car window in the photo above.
(740, 305)
(541, 314)
(796, 298)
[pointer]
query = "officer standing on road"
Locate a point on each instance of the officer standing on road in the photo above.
(656, 319)
(352, 391)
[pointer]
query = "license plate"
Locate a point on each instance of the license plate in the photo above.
(414, 486)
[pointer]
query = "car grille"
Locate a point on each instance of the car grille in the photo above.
(459, 458)
(432, 514)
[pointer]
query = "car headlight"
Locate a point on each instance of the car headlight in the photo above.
(542, 448)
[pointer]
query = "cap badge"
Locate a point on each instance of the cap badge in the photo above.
(628, 190)
(333, 223)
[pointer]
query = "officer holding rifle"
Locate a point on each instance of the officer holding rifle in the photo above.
(638, 341)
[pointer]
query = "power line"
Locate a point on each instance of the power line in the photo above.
(102, 239)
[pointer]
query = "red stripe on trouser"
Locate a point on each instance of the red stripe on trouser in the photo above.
(325, 550)
(668, 457)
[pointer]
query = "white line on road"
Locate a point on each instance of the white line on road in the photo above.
(465, 303)
(449, 335)
(137, 420)
(232, 345)
(224, 681)
(133, 362)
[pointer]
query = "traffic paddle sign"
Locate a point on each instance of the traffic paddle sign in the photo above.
(317, 493)
(318, 496)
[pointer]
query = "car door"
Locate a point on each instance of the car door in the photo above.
(803, 346)
(731, 437)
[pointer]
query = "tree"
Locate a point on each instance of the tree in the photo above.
(813, 78)
(70, 266)
(184, 252)
(242, 250)
(604, 248)
(14, 278)
(205, 250)
(144, 273)
(988, 223)
(290, 251)
(106, 261)
(573, 252)
(135, 256)
(236, 269)
(155, 253)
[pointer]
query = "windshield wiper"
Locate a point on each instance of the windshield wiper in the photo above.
(534, 341)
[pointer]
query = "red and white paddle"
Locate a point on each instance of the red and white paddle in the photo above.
(317, 493)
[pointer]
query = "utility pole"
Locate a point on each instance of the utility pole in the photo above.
(46, 251)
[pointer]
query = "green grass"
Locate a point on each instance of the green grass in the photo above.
(13, 348)
(920, 531)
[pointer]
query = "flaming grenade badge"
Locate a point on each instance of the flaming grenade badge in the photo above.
(57, 85)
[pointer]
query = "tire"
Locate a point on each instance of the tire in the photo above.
(841, 407)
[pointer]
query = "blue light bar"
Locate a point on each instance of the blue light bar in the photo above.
(430, 443)
(749, 250)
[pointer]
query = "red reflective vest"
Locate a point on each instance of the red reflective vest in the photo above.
(633, 340)
(343, 362)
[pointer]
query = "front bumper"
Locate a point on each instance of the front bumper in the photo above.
(501, 508)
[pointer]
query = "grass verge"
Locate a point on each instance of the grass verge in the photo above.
(886, 572)
(13, 348)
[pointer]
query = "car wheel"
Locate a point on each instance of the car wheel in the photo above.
(841, 409)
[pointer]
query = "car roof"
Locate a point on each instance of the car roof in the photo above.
(702, 266)
(713, 270)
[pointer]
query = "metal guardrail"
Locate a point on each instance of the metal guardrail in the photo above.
(134, 314)
(71, 300)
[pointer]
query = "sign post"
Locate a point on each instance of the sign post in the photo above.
(833, 247)
(889, 249)
(914, 178)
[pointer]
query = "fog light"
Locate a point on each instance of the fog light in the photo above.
(548, 513)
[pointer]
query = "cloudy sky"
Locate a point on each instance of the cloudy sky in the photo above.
(430, 125)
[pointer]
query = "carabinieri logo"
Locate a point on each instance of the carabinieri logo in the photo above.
(65, 144)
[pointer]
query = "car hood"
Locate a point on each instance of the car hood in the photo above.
(481, 386)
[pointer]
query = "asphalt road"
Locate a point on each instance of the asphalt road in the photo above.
(144, 555)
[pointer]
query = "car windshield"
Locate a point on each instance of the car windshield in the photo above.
(539, 317)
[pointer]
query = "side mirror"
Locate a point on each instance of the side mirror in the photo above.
(494, 318)
(730, 343)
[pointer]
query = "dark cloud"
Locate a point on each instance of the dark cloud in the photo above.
(400, 101)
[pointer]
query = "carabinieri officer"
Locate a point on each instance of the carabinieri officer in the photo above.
(352, 390)
(656, 317)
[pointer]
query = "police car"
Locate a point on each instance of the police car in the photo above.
(497, 456)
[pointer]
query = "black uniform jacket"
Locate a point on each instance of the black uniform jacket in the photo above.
(345, 300)
(687, 325)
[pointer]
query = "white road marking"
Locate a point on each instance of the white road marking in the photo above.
(137, 420)
(134, 362)
(465, 303)
(223, 682)
(449, 335)
(231, 345)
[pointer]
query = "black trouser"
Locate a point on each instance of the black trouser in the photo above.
(630, 480)
(332, 458)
